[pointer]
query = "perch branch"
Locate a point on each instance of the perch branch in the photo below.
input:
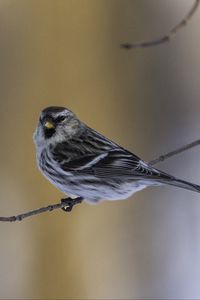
(165, 38)
(68, 203)
(65, 204)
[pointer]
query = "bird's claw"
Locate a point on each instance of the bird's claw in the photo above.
(70, 203)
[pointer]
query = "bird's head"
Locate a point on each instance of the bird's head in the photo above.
(56, 124)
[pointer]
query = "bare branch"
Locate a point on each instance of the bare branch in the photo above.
(68, 203)
(165, 38)
(174, 152)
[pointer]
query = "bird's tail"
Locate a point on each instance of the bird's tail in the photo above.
(184, 184)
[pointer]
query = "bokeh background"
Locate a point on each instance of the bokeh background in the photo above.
(67, 53)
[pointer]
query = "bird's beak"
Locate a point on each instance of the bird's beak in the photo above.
(49, 125)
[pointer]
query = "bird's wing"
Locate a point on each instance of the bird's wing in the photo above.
(121, 163)
(94, 154)
(112, 164)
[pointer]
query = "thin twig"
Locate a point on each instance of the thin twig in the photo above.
(165, 38)
(68, 203)
(174, 152)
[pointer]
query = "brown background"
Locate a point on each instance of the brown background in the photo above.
(67, 53)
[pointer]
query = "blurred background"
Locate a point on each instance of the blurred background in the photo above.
(147, 100)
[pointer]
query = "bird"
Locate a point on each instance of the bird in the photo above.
(83, 163)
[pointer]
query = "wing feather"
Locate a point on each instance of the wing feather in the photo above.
(93, 154)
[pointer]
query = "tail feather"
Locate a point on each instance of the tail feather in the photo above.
(184, 184)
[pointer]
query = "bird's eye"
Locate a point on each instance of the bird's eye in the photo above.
(60, 119)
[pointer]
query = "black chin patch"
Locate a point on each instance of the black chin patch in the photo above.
(49, 132)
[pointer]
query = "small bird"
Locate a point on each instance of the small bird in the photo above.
(81, 162)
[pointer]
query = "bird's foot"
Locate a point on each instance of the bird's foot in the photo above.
(69, 203)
